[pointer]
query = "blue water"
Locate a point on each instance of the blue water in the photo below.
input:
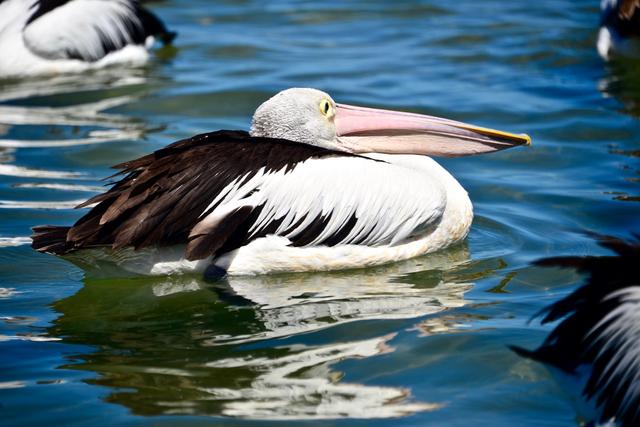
(416, 343)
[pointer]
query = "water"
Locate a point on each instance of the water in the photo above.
(416, 343)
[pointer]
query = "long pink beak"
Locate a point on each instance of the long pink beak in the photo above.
(369, 130)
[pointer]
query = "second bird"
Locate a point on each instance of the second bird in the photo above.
(63, 36)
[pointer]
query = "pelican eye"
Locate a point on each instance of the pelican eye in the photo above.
(326, 108)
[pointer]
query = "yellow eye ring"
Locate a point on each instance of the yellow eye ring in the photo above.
(326, 108)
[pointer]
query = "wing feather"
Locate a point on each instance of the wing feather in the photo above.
(343, 200)
(161, 197)
(600, 327)
(219, 191)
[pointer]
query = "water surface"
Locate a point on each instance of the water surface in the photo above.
(416, 343)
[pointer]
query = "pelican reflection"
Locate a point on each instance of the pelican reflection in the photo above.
(256, 347)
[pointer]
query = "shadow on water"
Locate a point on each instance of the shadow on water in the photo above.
(622, 82)
(254, 347)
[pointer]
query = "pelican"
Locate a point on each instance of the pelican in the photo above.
(619, 29)
(62, 36)
(596, 347)
(315, 185)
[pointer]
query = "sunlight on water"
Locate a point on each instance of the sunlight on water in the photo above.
(280, 384)
(274, 394)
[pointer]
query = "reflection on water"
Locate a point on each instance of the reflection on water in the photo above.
(182, 346)
(80, 123)
(66, 84)
(48, 116)
(303, 386)
(286, 371)
(291, 304)
(622, 82)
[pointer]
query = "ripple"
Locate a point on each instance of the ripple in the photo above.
(19, 320)
(491, 238)
(8, 292)
(278, 394)
(84, 114)
(19, 171)
(95, 137)
(65, 84)
(14, 241)
(61, 187)
(12, 384)
(295, 304)
(51, 205)
(111, 127)
(29, 337)
(170, 287)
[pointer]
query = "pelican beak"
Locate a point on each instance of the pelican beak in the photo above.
(368, 130)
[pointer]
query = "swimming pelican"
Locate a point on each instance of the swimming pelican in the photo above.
(596, 346)
(619, 29)
(61, 36)
(315, 185)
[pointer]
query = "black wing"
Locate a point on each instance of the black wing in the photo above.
(601, 328)
(624, 16)
(163, 195)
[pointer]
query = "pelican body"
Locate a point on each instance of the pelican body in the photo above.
(619, 29)
(314, 186)
(62, 36)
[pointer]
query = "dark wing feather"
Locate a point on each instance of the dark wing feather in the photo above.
(609, 301)
(50, 238)
(628, 8)
(211, 239)
(624, 16)
(162, 196)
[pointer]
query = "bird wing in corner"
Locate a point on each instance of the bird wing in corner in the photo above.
(88, 30)
(600, 327)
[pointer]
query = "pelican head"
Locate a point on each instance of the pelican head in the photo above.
(312, 117)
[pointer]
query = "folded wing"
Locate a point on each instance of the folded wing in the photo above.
(217, 192)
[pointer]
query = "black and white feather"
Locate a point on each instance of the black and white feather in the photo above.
(56, 36)
(599, 332)
(214, 193)
(619, 29)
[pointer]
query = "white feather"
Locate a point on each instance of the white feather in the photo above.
(40, 47)
(620, 337)
(334, 188)
(86, 23)
(410, 191)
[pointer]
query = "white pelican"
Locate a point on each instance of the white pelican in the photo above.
(596, 347)
(61, 36)
(315, 185)
(619, 29)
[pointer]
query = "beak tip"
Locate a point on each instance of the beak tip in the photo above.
(527, 139)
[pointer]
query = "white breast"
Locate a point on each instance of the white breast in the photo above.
(405, 192)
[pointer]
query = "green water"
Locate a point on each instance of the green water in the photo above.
(416, 343)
